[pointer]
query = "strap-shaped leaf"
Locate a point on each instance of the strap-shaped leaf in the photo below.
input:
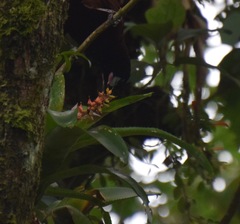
(107, 195)
(58, 144)
(112, 141)
(154, 132)
(92, 169)
(65, 119)
(113, 194)
(63, 192)
(138, 189)
(57, 93)
(99, 196)
(117, 104)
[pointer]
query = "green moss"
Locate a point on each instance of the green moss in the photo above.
(21, 16)
(15, 115)
(22, 119)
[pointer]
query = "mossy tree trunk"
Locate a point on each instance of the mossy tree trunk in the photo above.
(30, 37)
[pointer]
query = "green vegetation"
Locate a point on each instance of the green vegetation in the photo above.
(191, 188)
(167, 147)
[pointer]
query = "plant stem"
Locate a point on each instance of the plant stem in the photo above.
(103, 27)
(233, 207)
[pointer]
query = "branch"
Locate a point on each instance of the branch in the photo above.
(233, 207)
(104, 26)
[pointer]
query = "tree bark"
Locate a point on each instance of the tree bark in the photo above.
(30, 37)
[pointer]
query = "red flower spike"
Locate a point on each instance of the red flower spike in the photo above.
(99, 100)
(95, 107)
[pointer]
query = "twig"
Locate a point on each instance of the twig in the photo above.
(233, 207)
(104, 26)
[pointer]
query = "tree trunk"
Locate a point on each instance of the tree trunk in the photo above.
(30, 37)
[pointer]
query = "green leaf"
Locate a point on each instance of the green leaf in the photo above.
(230, 63)
(68, 63)
(228, 91)
(50, 220)
(67, 57)
(81, 170)
(58, 143)
(106, 217)
(112, 194)
(77, 216)
(154, 32)
(164, 78)
(50, 124)
(108, 195)
(117, 104)
(138, 189)
(185, 34)
(68, 193)
(193, 151)
(57, 93)
(66, 118)
(74, 53)
(92, 169)
(231, 25)
(60, 209)
(84, 140)
(193, 61)
(112, 141)
(167, 11)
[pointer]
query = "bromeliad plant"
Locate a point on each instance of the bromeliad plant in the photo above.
(74, 130)
(67, 132)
